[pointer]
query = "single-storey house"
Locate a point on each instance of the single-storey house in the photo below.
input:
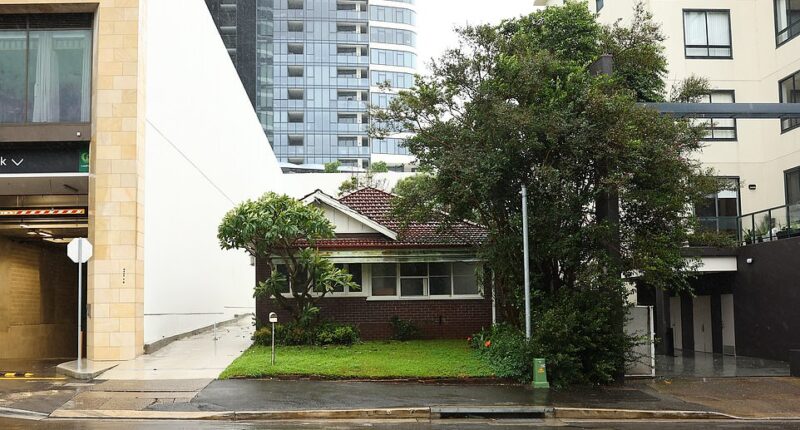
(428, 273)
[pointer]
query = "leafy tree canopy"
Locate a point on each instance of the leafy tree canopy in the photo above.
(279, 230)
(517, 104)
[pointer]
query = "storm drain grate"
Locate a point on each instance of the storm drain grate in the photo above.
(494, 412)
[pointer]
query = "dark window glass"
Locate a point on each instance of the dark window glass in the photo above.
(719, 212)
(54, 58)
(384, 279)
(465, 281)
(790, 93)
(787, 20)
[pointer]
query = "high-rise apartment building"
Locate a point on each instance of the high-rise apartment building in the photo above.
(750, 53)
(312, 68)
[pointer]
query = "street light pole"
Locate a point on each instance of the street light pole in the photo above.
(525, 262)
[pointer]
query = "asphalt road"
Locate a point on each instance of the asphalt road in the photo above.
(10, 424)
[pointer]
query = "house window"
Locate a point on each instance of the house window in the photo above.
(719, 129)
(354, 269)
(707, 33)
(45, 68)
(719, 212)
(384, 279)
(413, 279)
(424, 280)
(790, 93)
(787, 20)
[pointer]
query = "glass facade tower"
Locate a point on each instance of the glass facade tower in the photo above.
(313, 67)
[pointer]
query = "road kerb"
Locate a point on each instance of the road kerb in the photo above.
(346, 414)
(634, 414)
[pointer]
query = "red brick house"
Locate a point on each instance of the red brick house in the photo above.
(424, 272)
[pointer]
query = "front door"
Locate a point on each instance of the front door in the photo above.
(701, 313)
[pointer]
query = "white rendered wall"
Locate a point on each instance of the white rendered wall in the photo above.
(299, 185)
(205, 152)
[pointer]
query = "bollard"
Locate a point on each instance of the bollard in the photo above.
(540, 374)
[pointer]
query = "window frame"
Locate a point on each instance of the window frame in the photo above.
(426, 283)
(736, 180)
(778, 32)
(796, 123)
(708, 46)
(712, 127)
(786, 174)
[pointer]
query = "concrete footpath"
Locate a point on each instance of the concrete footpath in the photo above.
(725, 398)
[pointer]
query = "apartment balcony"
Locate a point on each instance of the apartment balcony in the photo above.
(352, 37)
(781, 222)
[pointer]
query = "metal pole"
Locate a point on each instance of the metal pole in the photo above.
(273, 344)
(80, 299)
(525, 263)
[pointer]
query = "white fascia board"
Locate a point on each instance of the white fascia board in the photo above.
(336, 204)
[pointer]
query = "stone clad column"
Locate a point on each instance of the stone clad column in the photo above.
(116, 211)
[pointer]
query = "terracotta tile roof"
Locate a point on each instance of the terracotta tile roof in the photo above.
(377, 205)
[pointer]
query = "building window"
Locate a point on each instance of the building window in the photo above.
(787, 20)
(347, 141)
(384, 279)
(707, 33)
(45, 74)
(295, 117)
(354, 269)
(598, 5)
(296, 161)
(295, 4)
(792, 179)
(719, 129)
(295, 140)
(719, 212)
(790, 93)
(424, 280)
(348, 118)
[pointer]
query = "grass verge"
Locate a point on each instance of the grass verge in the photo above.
(374, 360)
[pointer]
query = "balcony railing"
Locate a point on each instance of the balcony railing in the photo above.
(776, 223)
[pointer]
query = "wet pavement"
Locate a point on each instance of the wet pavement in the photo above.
(201, 356)
(743, 397)
(691, 364)
(43, 392)
(7, 424)
(274, 395)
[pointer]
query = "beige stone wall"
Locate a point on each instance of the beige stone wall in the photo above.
(116, 211)
(39, 306)
(116, 287)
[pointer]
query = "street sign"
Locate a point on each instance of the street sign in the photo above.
(79, 250)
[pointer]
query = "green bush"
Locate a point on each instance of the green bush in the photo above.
(297, 334)
(403, 329)
(573, 331)
(337, 334)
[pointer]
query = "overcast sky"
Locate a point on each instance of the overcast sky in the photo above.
(437, 18)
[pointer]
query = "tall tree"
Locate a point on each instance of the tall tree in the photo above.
(518, 104)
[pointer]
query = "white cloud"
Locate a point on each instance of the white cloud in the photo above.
(437, 18)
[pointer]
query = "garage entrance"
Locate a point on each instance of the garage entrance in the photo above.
(38, 292)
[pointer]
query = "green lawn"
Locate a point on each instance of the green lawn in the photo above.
(378, 359)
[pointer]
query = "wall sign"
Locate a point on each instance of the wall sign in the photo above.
(44, 158)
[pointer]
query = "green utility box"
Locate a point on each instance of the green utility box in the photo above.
(540, 374)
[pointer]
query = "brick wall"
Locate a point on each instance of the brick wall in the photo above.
(39, 305)
(437, 319)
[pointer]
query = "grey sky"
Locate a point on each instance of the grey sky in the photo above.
(436, 19)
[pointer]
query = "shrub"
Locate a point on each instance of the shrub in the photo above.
(403, 329)
(297, 334)
(573, 331)
(337, 334)
(505, 349)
